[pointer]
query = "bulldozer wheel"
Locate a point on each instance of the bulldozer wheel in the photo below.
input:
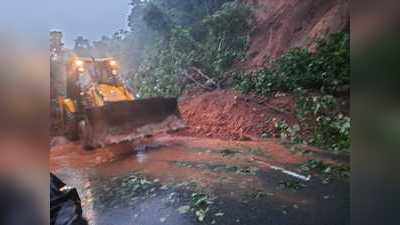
(86, 135)
(70, 126)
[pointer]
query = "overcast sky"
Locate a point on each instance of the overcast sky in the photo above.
(90, 18)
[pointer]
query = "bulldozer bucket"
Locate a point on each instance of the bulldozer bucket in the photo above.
(128, 120)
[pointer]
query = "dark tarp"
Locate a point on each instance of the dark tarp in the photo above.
(65, 206)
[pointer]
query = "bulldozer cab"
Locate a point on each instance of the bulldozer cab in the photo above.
(98, 80)
(95, 70)
(104, 71)
(100, 110)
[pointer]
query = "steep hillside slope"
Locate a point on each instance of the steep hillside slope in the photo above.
(284, 24)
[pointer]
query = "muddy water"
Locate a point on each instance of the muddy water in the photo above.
(157, 181)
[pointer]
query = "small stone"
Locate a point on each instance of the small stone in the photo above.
(183, 209)
(244, 138)
(265, 135)
(219, 214)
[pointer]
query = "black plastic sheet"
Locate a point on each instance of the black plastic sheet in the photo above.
(65, 204)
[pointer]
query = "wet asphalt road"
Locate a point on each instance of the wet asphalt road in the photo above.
(182, 180)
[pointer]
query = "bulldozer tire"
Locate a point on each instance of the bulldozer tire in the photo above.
(86, 135)
(70, 126)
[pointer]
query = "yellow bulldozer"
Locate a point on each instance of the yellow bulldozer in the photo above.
(98, 108)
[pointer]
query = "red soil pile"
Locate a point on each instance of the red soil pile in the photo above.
(227, 114)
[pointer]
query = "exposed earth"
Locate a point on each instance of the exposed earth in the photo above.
(284, 24)
(229, 115)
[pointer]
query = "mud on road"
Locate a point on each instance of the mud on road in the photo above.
(184, 180)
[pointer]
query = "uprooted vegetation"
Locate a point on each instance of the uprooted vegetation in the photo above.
(198, 53)
(328, 171)
(326, 70)
(320, 82)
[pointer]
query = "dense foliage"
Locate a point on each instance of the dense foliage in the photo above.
(327, 70)
(327, 118)
(319, 80)
(210, 44)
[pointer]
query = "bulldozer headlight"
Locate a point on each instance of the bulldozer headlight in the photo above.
(114, 72)
(78, 63)
(81, 69)
(113, 63)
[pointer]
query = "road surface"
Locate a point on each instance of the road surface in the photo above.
(175, 180)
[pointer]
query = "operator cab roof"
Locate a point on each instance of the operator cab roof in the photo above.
(88, 59)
